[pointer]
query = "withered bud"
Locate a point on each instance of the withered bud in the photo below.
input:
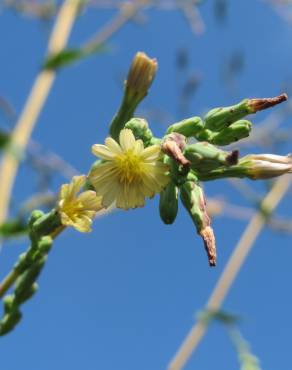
(208, 237)
(256, 105)
(140, 77)
(232, 157)
(193, 199)
(173, 145)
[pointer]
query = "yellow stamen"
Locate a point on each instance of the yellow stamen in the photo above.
(129, 167)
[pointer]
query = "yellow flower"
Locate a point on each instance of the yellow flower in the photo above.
(78, 210)
(129, 173)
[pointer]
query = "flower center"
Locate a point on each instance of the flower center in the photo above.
(72, 208)
(129, 166)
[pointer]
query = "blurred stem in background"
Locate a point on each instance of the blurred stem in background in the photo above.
(34, 104)
(43, 84)
(231, 271)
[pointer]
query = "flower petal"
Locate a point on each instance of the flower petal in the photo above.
(90, 200)
(83, 224)
(113, 146)
(102, 151)
(127, 139)
(111, 195)
(151, 153)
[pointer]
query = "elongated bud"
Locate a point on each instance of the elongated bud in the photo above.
(205, 135)
(204, 156)
(9, 321)
(254, 166)
(28, 293)
(27, 278)
(140, 129)
(192, 197)
(140, 77)
(238, 130)
(168, 203)
(188, 127)
(219, 118)
(265, 166)
(47, 224)
(173, 145)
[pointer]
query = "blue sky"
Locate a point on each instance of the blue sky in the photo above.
(124, 296)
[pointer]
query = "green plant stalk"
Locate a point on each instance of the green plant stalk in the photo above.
(123, 115)
(19, 267)
(223, 172)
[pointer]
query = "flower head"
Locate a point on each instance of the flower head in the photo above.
(265, 166)
(129, 172)
(78, 210)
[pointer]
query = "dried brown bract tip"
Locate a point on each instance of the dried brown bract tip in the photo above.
(141, 75)
(232, 158)
(256, 105)
(210, 245)
(173, 145)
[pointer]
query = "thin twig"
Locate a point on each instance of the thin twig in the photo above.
(36, 100)
(43, 84)
(126, 12)
(230, 272)
(220, 208)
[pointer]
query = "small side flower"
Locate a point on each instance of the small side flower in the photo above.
(129, 172)
(78, 210)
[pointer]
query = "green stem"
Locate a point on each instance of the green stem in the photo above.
(221, 173)
(124, 114)
(12, 276)
(58, 231)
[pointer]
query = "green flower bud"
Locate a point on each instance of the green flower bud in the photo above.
(168, 204)
(205, 157)
(220, 118)
(140, 129)
(8, 303)
(47, 223)
(238, 130)
(45, 244)
(35, 215)
(204, 135)
(193, 199)
(187, 127)
(28, 293)
(9, 321)
(21, 263)
(27, 279)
